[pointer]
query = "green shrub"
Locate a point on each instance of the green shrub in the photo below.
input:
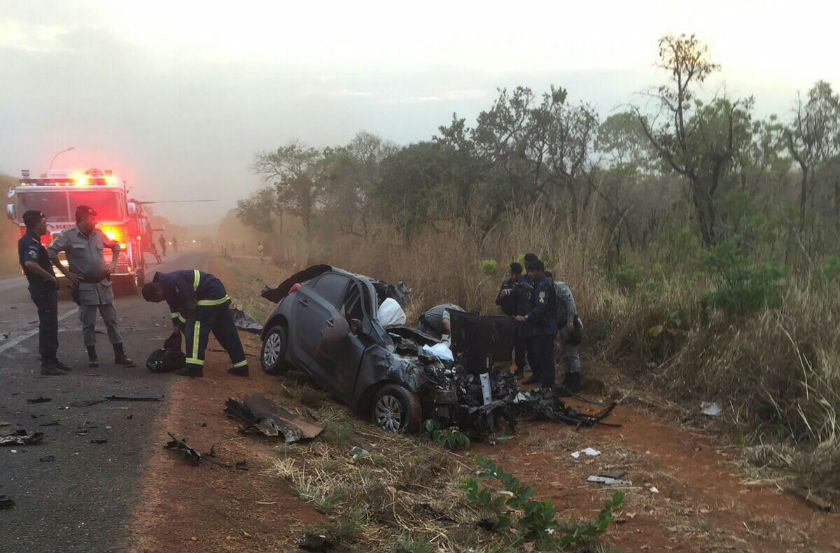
(628, 277)
(489, 267)
(450, 438)
(830, 269)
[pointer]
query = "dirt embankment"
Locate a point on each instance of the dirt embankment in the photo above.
(703, 502)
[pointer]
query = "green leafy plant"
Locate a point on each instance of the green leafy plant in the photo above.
(450, 438)
(535, 519)
(489, 267)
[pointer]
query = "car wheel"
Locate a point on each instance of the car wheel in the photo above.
(396, 409)
(273, 353)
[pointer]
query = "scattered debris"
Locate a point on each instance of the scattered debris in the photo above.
(40, 399)
(47, 459)
(6, 503)
(810, 498)
(359, 453)
(654, 489)
(588, 451)
(617, 474)
(710, 409)
(129, 417)
(99, 441)
(21, 437)
(245, 321)
(262, 415)
(51, 423)
(241, 465)
(319, 543)
(134, 398)
(190, 454)
(609, 481)
(441, 351)
(86, 402)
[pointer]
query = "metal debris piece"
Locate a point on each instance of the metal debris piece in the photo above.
(359, 453)
(617, 474)
(6, 503)
(262, 415)
(134, 398)
(181, 445)
(47, 459)
(99, 441)
(609, 481)
(21, 437)
(710, 409)
(86, 402)
(319, 543)
(51, 423)
(588, 451)
(245, 321)
(39, 399)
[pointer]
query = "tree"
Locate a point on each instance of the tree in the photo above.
(695, 140)
(813, 138)
(258, 210)
(294, 171)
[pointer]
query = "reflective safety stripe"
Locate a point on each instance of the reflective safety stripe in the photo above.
(178, 316)
(194, 361)
(196, 331)
(240, 364)
(196, 278)
(219, 301)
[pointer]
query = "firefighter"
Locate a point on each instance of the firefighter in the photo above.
(162, 242)
(199, 304)
(90, 280)
(43, 289)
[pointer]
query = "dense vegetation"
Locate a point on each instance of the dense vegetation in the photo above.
(699, 237)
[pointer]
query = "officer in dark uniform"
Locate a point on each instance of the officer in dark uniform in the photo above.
(43, 288)
(508, 298)
(199, 304)
(542, 319)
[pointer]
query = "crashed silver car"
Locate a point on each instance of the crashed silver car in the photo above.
(326, 324)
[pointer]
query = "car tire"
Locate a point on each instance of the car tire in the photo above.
(273, 352)
(396, 409)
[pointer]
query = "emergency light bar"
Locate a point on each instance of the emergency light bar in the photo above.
(91, 177)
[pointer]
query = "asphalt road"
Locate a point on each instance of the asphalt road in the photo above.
(83, 499)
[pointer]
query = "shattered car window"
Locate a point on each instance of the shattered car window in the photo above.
(352, 308)
(332, 287)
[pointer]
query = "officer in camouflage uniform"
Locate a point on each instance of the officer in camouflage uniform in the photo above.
(90, 280)
(570, 329)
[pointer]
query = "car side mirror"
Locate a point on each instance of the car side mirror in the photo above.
(355, 326)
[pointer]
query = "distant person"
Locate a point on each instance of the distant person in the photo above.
(43, 289)
(509, 298)
(162, 242)
(198, 304)
(260, 250)
(570, 327)
(542, 323)
(174, 244)
(91, 280)
(435, 321)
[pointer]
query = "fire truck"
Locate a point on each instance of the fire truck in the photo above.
(59, 192)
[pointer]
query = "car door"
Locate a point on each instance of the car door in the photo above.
(316, 301)
(341, 348)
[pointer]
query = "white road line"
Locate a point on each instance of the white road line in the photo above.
(33, 332)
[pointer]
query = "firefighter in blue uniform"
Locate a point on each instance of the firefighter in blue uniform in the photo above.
(43, 289)
(542, 322)
(509, 298)
(199, 304)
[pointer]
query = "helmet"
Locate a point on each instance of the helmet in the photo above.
(166, 360)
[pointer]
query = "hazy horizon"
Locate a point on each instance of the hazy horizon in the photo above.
(178, 97)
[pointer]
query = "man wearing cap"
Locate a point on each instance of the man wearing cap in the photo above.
(543, 320)
(43, 289)
(435, 321)
(90, 280)
(198, 304)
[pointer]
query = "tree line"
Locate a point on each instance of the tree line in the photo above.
(677, 165)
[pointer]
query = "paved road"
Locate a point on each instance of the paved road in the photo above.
(81, 501)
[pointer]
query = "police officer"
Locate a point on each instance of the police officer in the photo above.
(90, 278)
(509, 297)
(570, 330)
(543, 321)
(198, 304)
(43, 289)
(435, 321)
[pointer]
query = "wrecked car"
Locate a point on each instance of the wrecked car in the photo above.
(326, 324)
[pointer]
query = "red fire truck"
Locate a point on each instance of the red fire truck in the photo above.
(58, 193)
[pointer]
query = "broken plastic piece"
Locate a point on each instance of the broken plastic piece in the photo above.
(134, 398)
(609, 481)
(588, 451)
(190, 454)
(40, 399)
(245, 321)
(21, 437)
(359, 453)
(263, 415)
(6, 503)
(710, 409)
(654, 489)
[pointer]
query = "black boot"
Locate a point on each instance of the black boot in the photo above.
(195, 372)
(120, 357)
(239, 371)
(93, 360)
(50, 368)
(571, 383)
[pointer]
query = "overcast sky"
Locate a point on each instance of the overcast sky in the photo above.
(177, 96)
